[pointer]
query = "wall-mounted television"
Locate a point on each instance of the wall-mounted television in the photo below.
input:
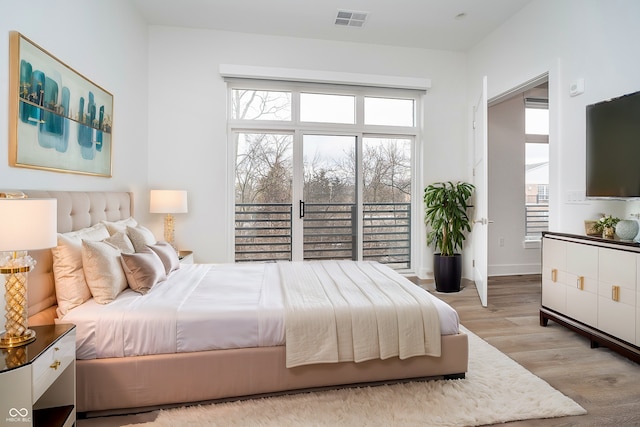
(613, 148)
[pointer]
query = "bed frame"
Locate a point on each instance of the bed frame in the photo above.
(129, 384)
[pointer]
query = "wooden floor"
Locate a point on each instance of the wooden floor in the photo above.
(604, 383)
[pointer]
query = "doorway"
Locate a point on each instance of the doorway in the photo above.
(518, 166)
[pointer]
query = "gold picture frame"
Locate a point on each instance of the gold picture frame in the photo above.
(58, 119)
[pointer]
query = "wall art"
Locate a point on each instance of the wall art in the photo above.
(58, 119)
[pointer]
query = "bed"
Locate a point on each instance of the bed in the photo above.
(139, 380)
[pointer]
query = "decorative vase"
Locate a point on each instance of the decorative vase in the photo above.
(608, 232)
(627, 229)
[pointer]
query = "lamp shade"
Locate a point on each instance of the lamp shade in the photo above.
(28, 224)
(168, 201)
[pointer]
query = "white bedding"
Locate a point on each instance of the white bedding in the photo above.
(340, 311)
(199, 307)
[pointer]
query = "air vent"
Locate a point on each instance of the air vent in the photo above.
(347, 18)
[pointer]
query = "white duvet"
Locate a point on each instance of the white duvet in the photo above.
(199, 307)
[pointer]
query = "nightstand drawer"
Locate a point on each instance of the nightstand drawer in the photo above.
(48, 367)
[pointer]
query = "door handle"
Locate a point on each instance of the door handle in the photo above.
(301, 209)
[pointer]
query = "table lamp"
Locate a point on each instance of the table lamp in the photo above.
(25, 224)
(168, 202)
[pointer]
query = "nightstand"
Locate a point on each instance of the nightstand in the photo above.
(38, 380)
(185, 257)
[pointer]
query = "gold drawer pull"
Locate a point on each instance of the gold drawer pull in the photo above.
(55, 365)
(554, 275)
(580, 283)
(615, 293)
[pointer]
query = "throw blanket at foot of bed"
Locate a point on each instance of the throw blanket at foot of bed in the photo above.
(355, 311)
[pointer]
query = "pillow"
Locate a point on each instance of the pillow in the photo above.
(71, 286)
(103, 270)
(168, 255)
(121, 241)
(141, 237)
(119, 226)
(143, 270)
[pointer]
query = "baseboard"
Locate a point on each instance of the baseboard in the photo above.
(513, 269)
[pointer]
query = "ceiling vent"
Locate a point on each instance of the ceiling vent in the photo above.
(347, 18)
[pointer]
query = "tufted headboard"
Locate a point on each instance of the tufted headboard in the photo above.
(76, 210)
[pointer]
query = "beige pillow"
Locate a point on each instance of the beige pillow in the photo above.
(143, 270)
(103, 270)
(168, 255)
(71, 286)
(121, 241)
(119, 226)
(141, 237)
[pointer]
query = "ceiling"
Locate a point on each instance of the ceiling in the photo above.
(429, 24)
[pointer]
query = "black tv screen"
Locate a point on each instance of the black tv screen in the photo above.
(613, 147)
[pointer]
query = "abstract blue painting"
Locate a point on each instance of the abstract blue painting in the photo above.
(59, 120)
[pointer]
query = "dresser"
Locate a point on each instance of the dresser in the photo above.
(38, 380)
(592, 286)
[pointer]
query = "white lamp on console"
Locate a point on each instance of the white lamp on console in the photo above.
(168, 202)
(25, 224)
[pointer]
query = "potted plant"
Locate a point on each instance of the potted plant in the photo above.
(606, 225)
(446, 205)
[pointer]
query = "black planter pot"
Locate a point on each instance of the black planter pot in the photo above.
(447, 272)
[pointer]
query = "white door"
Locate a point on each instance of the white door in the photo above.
(481, 203)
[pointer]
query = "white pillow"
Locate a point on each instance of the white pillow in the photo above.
(143, 270)
(120, 226)
(103, 270)
(168, 255)
(121, 241)
(141, 237)
(71, 286)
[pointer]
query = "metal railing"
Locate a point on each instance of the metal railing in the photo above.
(536, 219)
(263, 232)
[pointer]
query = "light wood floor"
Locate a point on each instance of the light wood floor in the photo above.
(604, 383)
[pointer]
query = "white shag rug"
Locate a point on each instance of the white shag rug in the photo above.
(496, 390)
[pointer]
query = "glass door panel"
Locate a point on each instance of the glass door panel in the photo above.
(329, 207)
(386, 170)
(263, 208)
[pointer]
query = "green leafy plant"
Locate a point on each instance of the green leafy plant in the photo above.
(607, 221)
(446, 206)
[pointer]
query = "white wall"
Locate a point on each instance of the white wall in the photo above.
(187, 116)
(570, 39)
(105, 41)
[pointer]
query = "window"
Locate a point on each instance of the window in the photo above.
(323, 172)
(389, 111)
(536, 167)
(260, 105)
(317, 107)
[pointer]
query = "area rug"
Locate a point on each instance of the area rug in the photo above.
(496, 390)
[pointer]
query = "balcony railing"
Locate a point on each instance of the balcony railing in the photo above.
(263, 232)
(537, 219)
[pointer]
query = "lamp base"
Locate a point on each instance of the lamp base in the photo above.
(7, 341)
(17, 332)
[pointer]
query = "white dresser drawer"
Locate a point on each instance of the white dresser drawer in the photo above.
(47, 367)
